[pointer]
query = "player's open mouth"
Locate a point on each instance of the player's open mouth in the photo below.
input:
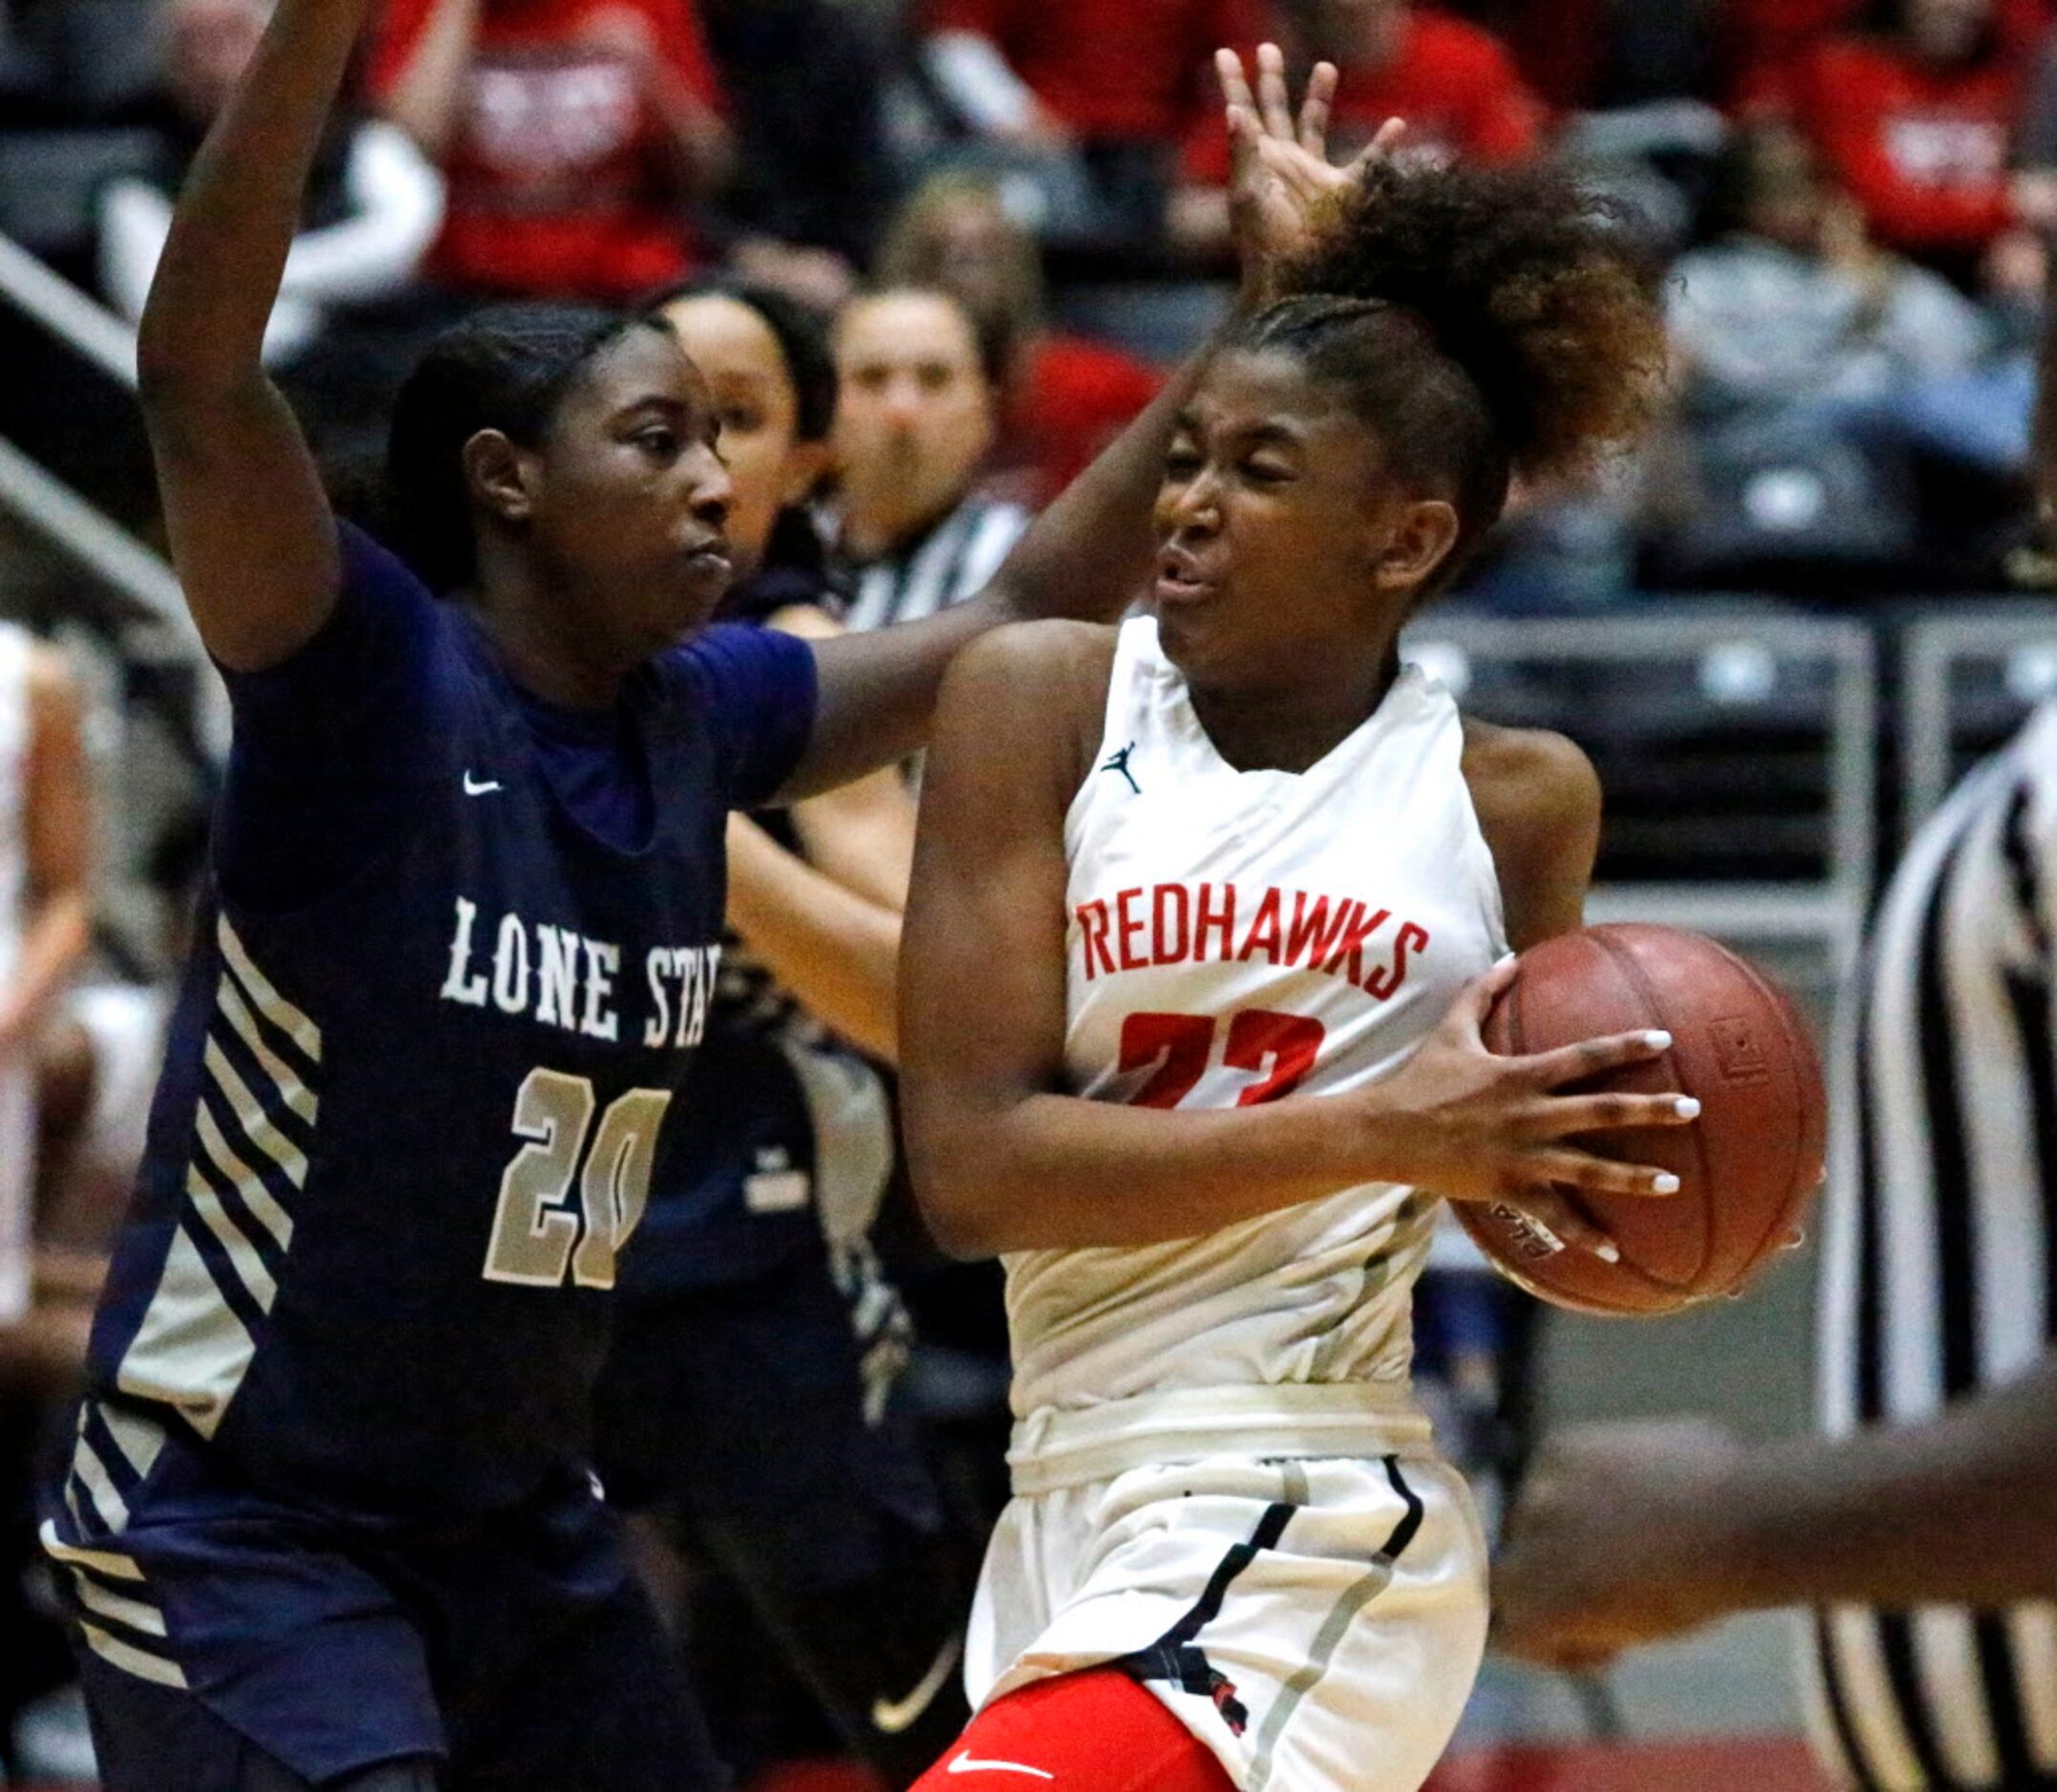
(1179, 577)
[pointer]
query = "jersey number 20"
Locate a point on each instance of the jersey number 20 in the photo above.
(535, 1234)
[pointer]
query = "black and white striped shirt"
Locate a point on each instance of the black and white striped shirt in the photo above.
(949, 564)
(1939, 1269)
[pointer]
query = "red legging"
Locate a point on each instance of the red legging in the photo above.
(1091, 1732)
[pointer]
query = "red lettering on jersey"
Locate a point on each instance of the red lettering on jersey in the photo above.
(1093, 926)
(1311, 938)
(1363, 924)
(1263, 929)
(1213, 920)
(1384, 982)
(1128, 926)
(1171, 924)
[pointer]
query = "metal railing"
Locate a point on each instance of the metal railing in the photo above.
(156, 626)
(1731, 654)
(2017, 649)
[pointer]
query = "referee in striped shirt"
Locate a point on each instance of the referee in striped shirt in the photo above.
(1921, 1525)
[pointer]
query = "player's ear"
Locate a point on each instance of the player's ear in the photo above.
(1424, 532)
(499, 475)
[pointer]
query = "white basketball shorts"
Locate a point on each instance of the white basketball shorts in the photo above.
(1318, 1624)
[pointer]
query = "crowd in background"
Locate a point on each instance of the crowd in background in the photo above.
(1012, 212)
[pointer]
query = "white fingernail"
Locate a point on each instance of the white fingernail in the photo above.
(1608, 1251)
(1657, 1039)
(1686, 1107)
(1664, 1182)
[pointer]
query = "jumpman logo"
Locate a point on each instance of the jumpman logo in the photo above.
(1119, 763)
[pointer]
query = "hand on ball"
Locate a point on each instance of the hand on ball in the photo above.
(1475, 1126)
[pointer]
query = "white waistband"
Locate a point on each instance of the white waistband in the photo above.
(1054, 1448)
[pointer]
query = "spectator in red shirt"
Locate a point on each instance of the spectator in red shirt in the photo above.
(1047, 74)
(574, 135)
(1062, 398)
(1454, 83)
(1915, 119)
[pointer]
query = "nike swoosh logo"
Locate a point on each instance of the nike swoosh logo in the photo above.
(890, 1718)
(481, 787)
(964, 1763)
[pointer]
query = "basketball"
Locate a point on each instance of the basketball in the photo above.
(1747, 1168)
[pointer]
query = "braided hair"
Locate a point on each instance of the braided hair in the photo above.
(506, 368)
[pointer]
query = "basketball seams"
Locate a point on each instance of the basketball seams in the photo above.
(1621, 985)
(1510, 1006)
(1801, 1054)
(1613, 942)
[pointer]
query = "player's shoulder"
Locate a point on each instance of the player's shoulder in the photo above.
(1041, 683)
(1043, 659)
(1529, 785)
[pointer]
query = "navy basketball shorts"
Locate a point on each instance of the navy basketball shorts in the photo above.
(224, 1636)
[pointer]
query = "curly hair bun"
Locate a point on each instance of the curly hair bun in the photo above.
(1536, 287)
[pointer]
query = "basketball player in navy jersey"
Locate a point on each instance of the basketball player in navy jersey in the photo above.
(1230, 882)
(326, 1518)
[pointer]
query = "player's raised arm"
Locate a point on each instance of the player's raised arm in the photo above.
(1086, 556)
(251, 532)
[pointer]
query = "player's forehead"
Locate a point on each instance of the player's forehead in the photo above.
(643, 367)
(1264, 393)
(907, 329)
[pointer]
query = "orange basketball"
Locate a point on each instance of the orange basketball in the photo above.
(1747, 1168)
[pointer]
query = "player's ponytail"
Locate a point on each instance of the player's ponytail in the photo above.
(1488, 324)
(505, 368)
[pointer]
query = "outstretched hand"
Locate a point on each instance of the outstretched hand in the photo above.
(1282, 182)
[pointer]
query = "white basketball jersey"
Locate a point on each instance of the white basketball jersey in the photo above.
(1235, 937)
(17, 1113)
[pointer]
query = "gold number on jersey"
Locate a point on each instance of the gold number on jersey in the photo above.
(535, 1235)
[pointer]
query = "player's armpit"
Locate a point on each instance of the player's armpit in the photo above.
(1538, 802)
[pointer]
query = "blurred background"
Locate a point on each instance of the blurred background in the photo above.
(1782, 629)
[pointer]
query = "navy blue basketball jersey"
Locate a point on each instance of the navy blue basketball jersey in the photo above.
(410, 1119)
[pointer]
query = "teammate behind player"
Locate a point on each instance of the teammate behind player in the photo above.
(748, 1393)
(326, 1518)
(1226, 858)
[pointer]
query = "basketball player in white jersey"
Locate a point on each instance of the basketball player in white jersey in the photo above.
(1196, 960)
(45, 912)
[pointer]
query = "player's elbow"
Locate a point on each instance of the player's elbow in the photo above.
(959, 1205)
(962, 1223)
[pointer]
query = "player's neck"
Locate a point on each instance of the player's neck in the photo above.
(561, 664)
(1293, 725)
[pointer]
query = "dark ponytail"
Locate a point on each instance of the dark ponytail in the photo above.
(505, 368)
(1486, 323)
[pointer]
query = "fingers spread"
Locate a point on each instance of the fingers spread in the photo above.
(1566, 1117)
(1603, 1175)
(1272, 92)
(1381, 146)
(1313, 110)
(1591, 1057)
(1234, 84)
